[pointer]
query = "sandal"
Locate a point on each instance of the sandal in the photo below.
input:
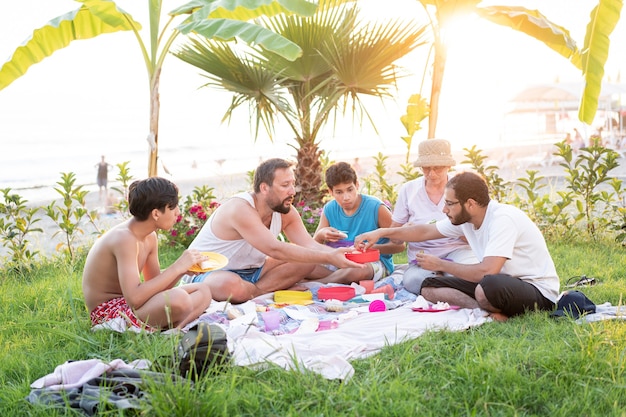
(580, 281)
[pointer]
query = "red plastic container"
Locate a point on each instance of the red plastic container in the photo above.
(336, 293)
(370, 255)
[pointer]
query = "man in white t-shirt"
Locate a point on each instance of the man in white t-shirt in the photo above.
(420, 201)
(515, 272)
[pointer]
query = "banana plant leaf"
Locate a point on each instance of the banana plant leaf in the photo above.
(602, 22)
(227, 20)
(244, 10)
(227, 30)
(93, 18)
(533, 23)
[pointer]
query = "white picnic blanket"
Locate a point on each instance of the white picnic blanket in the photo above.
(354, 333)
(329, 352)
(605, 311)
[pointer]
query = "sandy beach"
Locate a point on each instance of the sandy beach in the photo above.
(512, 161)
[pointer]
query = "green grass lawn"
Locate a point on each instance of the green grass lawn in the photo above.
(528, 366)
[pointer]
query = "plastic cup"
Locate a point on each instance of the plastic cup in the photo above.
(271, 319)
(385, 289)
(368, 284)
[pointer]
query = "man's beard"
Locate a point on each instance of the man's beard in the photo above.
(283, 207)
(462, 218)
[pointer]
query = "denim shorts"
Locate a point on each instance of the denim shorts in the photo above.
(251, 275)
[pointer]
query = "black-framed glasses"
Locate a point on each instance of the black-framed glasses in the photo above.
(449, 203)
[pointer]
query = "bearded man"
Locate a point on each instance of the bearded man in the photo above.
(245, 229)
(514, 273)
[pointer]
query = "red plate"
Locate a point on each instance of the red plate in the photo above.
(433, 310)
(370, 255)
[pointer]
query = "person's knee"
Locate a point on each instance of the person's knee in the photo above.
(414, 278)
(180, 304)
(204, 291)
(490, 292)
(413, 284)
(429, 293)
(481, 298)
(305, 270)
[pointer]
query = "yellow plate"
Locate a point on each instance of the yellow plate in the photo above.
(219, 262)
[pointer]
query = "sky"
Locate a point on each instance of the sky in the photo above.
(97, 88)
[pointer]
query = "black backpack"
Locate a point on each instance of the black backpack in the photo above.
(202, 348)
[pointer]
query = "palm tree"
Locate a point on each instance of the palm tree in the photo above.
(343, 59)
(219, 19)
(590, 60)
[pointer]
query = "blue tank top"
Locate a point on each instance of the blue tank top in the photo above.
(364, 219)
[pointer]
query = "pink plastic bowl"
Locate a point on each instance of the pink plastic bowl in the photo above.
(370, 255)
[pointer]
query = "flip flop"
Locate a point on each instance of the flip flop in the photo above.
(580, 281)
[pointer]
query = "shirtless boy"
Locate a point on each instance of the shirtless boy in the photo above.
(112, 279)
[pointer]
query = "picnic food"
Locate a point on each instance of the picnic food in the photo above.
(420, 302)
(234, 313)
(440, 305)
(208, 264)
(214, 261)
(333, 305)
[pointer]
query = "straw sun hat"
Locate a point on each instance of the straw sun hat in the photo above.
(434, 153)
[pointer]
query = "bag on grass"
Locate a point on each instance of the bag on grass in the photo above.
(203, 347)
(574, 304)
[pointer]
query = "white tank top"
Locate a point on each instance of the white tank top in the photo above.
(240, 254)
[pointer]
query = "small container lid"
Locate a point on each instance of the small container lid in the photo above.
(293, 297)
(341, 244)
(336, 293)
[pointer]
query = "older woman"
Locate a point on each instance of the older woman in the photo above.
(421, 201)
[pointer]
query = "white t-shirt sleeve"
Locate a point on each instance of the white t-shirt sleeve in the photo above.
(448, 229)
(401, 208)
(502, 235)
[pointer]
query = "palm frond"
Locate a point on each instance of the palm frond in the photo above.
(310, 33)
(244, 75)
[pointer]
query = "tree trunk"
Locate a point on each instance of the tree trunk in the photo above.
(439, 65)
(153, 138)
(309, 174)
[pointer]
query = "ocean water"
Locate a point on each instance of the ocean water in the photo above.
(32, 168)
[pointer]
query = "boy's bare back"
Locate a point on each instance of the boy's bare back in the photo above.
(115, 253)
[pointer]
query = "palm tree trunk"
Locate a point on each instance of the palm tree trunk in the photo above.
(153, 138)
(309, 174)
(439, 65)
(308, 169)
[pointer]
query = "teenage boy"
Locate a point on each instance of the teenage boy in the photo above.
(112, 278)
(349, 214)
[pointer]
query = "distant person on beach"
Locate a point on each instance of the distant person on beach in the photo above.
(102, 177)
(245, 229)
(578, 141)
(122, 278)
(515, 272)
(351, 213)
(420, 201)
